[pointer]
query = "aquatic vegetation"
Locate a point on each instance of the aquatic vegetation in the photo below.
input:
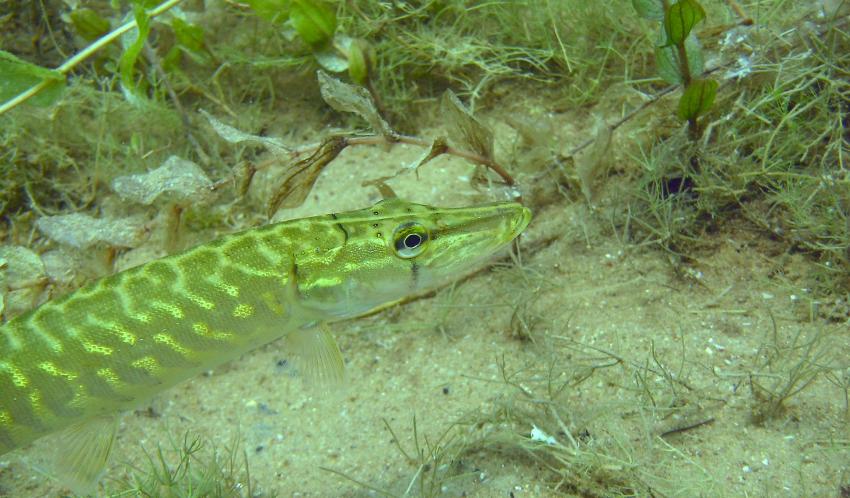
(679, 57)
(791, 189)
(788, 367)
(589, 110)
(189, 467)
(533, 426)
(437, 464)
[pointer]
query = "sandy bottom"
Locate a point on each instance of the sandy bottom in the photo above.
(651, 367)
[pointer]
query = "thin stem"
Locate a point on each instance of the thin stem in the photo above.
(684, 67)
(739, 11)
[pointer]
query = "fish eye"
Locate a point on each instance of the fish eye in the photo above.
(409, 240)
(412, 240)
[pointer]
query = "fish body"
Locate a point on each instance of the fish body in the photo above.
(118, 341)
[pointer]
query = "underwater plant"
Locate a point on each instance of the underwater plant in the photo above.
(679, 57)
(561, 101)
(188, 467)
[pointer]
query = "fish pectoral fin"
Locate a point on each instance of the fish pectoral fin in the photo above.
(82, 452)
(317, 354)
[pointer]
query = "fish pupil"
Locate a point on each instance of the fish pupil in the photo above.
(412, 240)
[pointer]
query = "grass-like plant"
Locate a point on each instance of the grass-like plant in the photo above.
(766, 151)
(190, 467)
(787, 368)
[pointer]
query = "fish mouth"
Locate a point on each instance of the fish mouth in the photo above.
(521, 221)
(518, 218)
(489, 229)
(506, 221)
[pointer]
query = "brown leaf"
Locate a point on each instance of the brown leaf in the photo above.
(301, 176)
(438, 147)
(472, 132)
(351, 98)
(591, 165)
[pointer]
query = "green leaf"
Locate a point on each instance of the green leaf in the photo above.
(314, 21)
(89, 24)
(190, 36)
(697, 99)
(145, 4)
(681, 18)
(331, 59)
(649, 9)
(358, 62)
(171, 60)
(667, 60)
(18, 76)
(276, 11)
(468, 129)
(128, 59)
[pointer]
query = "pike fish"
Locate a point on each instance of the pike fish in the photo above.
(73, 364)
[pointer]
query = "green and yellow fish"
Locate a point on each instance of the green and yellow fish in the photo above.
(74, 363)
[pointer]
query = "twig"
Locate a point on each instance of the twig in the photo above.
(739, 11)
(470, 156)
(688, 427)
(628, 116)
(344, 141)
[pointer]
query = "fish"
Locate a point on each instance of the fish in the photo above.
(69, 367)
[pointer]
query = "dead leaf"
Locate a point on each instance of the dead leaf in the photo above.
(351, 98)
(301, 176)
(180, 179)
(471, 132)
(590, 165)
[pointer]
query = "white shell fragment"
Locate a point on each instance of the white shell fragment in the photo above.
(83, 231)
(537, 434)
(180, 179)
